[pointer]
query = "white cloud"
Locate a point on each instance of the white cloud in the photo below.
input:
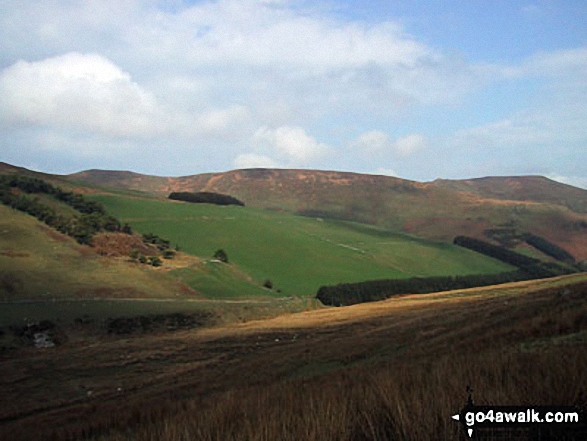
(253, 160)
(376, 141)
(257, 33)
(507, 132)
(238, 47)
(410, 144)
(205, 75)
(549, 129)
(385, 172)
(555, 123)
(79, 91)
(85, 99)
(575, 181)
(567, 64)
(561, 63)
(293, 143)
(221, 121)
(373, 142)
(200, 77)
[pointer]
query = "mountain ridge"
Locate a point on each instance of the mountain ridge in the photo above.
(480, 185)
(440, 209)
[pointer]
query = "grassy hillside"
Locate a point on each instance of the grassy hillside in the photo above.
(39, 263)
(438, 210)
(297, 254)
(46, 275)
(387, 370)
(522, 188)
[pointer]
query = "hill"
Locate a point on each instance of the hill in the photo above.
(271, 254)
(146, 353)
(47, 275)
(522, 188)
(39, 263)
(297, 254)
(438, 210)
(395, 369)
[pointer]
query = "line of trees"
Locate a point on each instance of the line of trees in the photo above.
(495, 251)
(16, 191)
(510, 237)
(35, 185)
(528, 268)
(345, 294)
(159, 242)
(549, 248)
(204, 197)
(533, 267)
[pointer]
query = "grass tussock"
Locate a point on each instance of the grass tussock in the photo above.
(386, 402)
(395, 370)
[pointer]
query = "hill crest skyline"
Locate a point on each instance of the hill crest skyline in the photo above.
(438, 210)
(6, 165)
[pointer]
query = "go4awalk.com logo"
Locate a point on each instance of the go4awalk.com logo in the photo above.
(569, 420)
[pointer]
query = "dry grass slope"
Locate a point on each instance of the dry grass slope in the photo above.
(392, 370)
(37, 262)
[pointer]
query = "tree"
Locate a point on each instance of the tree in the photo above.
(221, 256)
(204, 197)
(126, 229)
(168, 254)
(155, 261)
(268, 284)
(153, 239)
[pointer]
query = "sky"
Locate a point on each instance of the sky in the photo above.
(416, 89)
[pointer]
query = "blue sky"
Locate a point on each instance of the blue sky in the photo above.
(415, 89)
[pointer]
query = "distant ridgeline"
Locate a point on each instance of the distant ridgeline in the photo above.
(204, 197)
(22, 193)
(528, 268)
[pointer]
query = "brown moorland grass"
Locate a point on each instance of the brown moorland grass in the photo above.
(396, 401)
(392, 370)
(37, 262)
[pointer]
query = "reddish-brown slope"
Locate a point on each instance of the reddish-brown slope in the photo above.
(522, 188)
(441, 209)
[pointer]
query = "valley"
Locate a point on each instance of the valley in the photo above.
(286, 220)
(206, 383)
(97, 345)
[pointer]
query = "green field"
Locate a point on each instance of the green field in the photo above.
(36, 262)
(47, 275)
(297, 254)
(65, 312)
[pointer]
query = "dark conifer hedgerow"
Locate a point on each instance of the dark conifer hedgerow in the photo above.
(204, 197)
(549, 248)
(369, 291)
(352, 293)
(495, 251)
